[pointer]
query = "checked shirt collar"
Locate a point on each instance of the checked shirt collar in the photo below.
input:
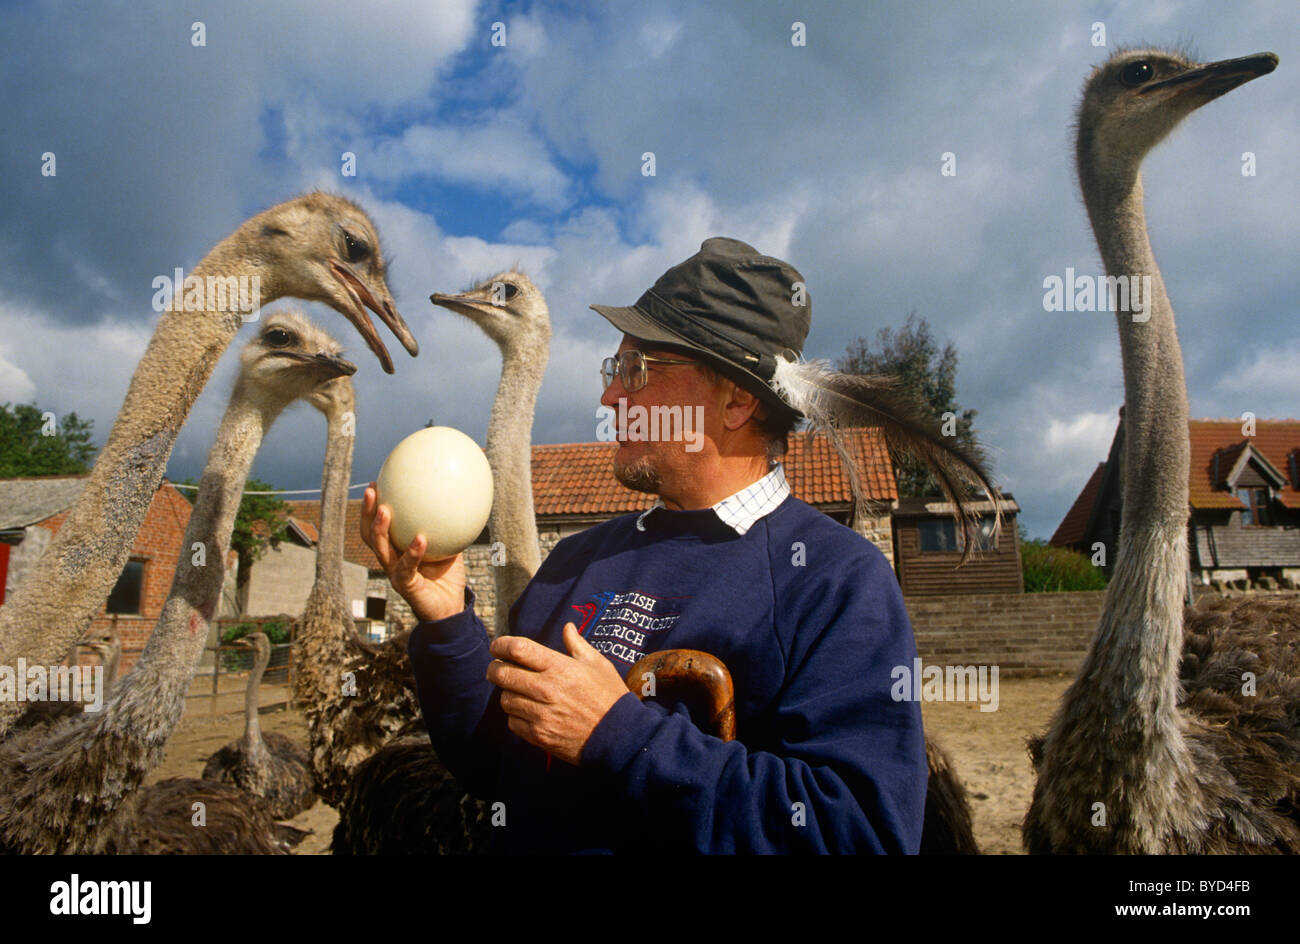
(741, 510)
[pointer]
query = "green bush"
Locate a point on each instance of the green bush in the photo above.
(237, 660)
(1048, 569)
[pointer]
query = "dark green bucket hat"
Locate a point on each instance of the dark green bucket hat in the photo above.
(728, 304)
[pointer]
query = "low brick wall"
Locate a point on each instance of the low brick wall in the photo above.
(1025, 633)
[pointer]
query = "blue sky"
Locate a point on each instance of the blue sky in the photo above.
(473, 158)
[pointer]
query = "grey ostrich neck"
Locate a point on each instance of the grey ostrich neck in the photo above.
(326, 615)
(253, 742)
(85, 558)
(334, 498)
(1124, 702)
(509, 450)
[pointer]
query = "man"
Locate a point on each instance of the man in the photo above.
(804, 612)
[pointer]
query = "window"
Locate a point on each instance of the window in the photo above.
(1257, 509)
(125, 597)
(375, 607)
(942, 534)
(937, 534)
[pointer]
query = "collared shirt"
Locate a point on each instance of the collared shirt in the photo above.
(741, 510)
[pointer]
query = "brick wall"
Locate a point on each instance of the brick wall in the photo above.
(1018, 632)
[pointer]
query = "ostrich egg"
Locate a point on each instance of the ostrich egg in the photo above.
(438, 482)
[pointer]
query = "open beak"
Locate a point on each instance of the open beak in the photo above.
(362, 298)
(1217, 78)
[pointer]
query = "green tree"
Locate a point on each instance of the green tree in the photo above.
(29, 445)
(911, 354)
(262, 522)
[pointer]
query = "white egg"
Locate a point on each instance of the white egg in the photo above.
(436, 482)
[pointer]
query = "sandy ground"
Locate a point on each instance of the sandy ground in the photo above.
(988, 749)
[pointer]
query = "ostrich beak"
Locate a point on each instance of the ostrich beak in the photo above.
(336, 365)
(468, 304)
(1213, 79)
(362, 298)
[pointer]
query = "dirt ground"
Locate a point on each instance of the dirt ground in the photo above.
(988, 749)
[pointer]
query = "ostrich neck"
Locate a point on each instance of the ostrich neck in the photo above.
(509, 452)
(133, 728)
(1128, 686)
(85, 558)
(252, 724)
(334, 498)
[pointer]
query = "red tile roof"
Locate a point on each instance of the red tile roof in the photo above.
(577, 479)
(1075, 523)
(354, 549)
(1278, 440)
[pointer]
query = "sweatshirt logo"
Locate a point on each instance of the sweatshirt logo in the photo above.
(620, 624)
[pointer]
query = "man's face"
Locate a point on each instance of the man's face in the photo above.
(650, 465)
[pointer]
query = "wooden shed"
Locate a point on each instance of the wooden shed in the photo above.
(928, 546)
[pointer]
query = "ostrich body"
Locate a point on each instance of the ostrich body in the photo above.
(513, 313)
(270, 766)
(1125, 767)
(318, 247)
(403, 799)
(62, 791)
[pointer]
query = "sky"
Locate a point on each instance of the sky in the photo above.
(473, 157)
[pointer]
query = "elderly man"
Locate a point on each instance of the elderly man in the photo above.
(804, 612)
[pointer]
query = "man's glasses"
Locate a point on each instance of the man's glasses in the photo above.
(630, 367)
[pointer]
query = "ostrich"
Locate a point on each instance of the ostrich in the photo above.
(318, 247)
(402, 799)
(62, 792)
(1127, 766)
(266, 765)
(346, 725)
(513, 313)
(46, 713)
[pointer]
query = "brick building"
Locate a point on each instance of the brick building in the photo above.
(1243, 504)
(32, 509)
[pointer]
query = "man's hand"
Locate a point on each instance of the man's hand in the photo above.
(434, 589)
(553, 700)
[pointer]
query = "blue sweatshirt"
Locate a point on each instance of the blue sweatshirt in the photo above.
(807, 616)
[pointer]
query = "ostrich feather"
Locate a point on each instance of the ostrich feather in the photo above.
(833, 401)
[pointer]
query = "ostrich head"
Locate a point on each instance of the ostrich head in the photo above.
(290, 358)
(323, 247)
(1135, 98)
(509, 308)
(260, 643)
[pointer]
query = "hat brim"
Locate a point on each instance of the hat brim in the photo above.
(633, 321)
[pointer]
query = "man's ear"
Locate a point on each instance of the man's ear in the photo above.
(740, 405)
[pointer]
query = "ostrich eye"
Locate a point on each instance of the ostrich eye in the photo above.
(278, 337)
(511, 290)
(1135, 73)
(357, 248)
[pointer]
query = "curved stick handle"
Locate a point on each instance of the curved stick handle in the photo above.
(687, 674)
